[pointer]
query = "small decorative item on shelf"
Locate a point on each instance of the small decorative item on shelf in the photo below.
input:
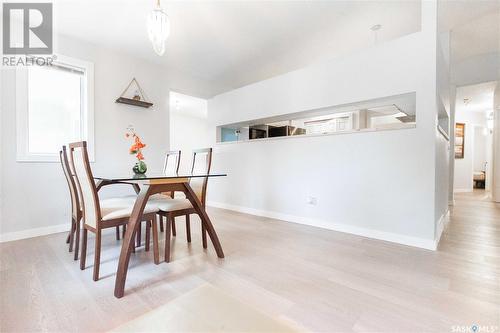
(140, 166)
(137, 98)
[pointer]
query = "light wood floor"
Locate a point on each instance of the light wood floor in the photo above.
(317, 279)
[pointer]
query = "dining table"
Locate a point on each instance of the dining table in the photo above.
(145, 186)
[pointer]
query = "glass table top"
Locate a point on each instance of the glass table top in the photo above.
(152, 175)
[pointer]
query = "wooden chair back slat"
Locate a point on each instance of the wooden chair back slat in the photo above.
(70, 179)
(172, 162)
(199, 165)
(85, 183)
(171, 165)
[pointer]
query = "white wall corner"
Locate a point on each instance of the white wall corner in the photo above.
(451, 181)
(496, 145)
(423, 243)
(441, 225)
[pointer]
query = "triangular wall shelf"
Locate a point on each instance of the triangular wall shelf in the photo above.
(134, 95)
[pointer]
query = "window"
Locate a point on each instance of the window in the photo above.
(385, 113)
(55, 107)
(329, 124)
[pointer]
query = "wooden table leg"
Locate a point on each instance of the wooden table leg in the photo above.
(128, 240)
(204, 219)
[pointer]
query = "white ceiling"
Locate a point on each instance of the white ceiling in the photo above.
(480, 97)
(454, 13)
(229, 44)
(477, 37)
(234, 43)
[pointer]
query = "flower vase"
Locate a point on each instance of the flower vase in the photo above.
(140, 168)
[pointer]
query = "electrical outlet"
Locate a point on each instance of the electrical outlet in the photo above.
(312, 201)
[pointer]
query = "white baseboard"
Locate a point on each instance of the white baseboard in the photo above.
(423, 243)
(365, 232)
(12, 236)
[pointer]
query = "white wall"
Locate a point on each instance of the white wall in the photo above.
(464, 167)
(480, 148)
(442, 178)
(442, 144)
(496, 144)
(189, 128)
(379, 184)
(35, 195)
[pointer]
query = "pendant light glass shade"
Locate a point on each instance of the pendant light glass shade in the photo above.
(158, 29)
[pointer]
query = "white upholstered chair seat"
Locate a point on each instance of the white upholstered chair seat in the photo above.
(181, 195)
(177, 195)
(166, 204)
(115, 208)
(159, 196)
(169, 205)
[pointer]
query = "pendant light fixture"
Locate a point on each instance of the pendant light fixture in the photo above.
(158, 28)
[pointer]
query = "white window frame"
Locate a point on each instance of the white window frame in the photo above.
(22, 112)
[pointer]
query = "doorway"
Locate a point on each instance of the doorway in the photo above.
(474, 140)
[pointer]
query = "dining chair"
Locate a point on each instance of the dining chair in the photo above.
(170, 166)
(172, 162)
(100, 214)
(171, 208)
(76, 211)
(73, 238)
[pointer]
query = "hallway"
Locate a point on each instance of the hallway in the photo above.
(471, 243)
(474, 228)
